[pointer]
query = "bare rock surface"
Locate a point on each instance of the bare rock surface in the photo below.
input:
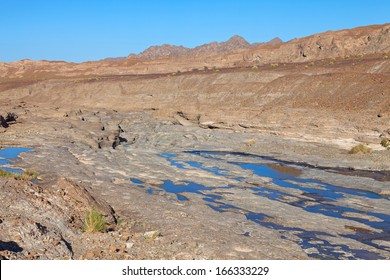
(239, 155)
(225, 218)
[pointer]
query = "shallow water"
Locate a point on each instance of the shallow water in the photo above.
(377, 175)
(314, 196)
(7, 155)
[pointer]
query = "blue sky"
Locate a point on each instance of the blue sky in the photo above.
(90, 30)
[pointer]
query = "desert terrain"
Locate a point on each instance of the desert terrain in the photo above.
(225, 151)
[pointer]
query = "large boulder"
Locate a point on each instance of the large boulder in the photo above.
(7, 119)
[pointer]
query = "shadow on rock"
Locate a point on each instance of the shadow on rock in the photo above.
(10, 246)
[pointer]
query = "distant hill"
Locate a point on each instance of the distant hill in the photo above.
(356, 43)
(234, 43)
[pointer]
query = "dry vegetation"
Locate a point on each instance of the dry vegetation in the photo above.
(360, 149)
(27, 175)
(94, 222)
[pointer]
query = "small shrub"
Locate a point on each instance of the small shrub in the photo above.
(274, 65)
(119, 221)
(360, 149)
(254, 67)
(4, 173)
(360, 55)
(94, 222)
(28, 175)
(385, 143)
(31, 174)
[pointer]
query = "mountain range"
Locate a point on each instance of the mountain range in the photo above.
(233, 44)
(234, 53)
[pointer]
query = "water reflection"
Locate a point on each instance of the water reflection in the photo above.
(286, 186)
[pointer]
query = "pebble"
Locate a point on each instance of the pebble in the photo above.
(89, 255)
(112, 248)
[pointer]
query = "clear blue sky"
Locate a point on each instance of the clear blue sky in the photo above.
(90, 30)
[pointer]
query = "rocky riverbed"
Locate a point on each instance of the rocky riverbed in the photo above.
(173, 189)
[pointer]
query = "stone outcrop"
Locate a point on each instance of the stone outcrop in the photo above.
(36, 223)
(7, 118)
(111, 136)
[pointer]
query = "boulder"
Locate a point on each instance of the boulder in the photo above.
(183, 121)
(7, 119)
(80, 193)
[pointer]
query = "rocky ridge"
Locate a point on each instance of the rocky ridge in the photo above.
(234, 43)
(236, 52)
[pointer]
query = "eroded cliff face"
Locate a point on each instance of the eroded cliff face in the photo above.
(342, 98)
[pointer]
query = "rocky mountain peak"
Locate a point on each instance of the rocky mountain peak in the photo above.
(275, 41)
(237, 40)
(165, 50)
